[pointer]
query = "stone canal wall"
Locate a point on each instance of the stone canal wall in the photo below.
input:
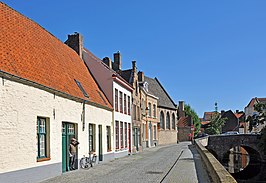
(215, 169)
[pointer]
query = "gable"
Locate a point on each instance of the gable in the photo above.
(157, 89)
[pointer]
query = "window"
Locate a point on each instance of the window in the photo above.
(129, 136)
(125, 103)
(138, 113)
(121, 135)
(116, 134)
(168, 121)
(136, 83)
(125, 135)
(82, 89)
(42, 138)
(143, 106)
(162, 120)
(128, 105)
(149, 109)
(144, 131)
(173, 121)
(91, 137)
(154, 132)
(154, 110)
(108, 137)
(134, 112)
(116, 100)
(121, 101)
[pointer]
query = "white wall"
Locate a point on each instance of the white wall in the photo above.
(121, 117)
(20, 105)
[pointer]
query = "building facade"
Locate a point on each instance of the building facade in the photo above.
(48, 96)
(167, 112)
(117, 91)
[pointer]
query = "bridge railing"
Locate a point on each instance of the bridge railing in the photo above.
(216, 170)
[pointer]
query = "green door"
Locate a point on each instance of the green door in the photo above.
(100, 143)
(68, 132)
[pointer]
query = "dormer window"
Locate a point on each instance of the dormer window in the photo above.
(146, 86)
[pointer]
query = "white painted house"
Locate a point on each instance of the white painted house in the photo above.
(47, 96)
(117, 91)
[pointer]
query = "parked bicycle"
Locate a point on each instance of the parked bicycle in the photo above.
(87, 162)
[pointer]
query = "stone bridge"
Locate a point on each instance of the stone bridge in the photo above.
(219, 146)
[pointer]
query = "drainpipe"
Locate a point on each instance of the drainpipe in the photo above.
(83, 115)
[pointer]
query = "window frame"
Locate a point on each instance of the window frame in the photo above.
(116, 134)
(121, 135)
(116, 100)
(121, 101)
(149, 109)
(125, 104)
(128, 105)
(154, 110)
(42, 135)
(108, 138)
(92, 145)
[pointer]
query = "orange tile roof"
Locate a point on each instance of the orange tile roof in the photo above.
(239, 115)
(208, 115)
(205, 122)
(252, 101)
(29, 51)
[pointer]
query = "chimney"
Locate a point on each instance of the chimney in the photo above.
(108, 62)
(117, 61)
(75, 41)
(237, 111)
(134, 67)
(141, 76)
(222, 112)
(181, 109)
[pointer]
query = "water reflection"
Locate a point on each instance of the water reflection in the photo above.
(238, 159)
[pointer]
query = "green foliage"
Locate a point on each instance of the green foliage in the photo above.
(256, 119)
(215, 125)
(262, 143)
(196, 121)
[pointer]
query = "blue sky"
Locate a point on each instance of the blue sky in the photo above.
(201, 51)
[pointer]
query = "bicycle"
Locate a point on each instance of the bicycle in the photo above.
(87, 162)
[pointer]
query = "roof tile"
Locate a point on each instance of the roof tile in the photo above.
(28, 51)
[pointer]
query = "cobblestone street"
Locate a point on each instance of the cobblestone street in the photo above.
(170, 163)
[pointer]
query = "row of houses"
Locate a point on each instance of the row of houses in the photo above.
(236, 120)
(53, 91)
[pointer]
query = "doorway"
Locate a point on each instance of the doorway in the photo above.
(68, 132)
(100, 143)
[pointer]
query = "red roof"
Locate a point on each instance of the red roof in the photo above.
(252, 101)
(28, 51)
(239, 115)
(208, 115)
(184, 122)
(205, 122)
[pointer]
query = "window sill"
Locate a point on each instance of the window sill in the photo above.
(43, 159)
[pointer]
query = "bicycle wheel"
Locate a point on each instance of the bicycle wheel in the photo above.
(93, 161)
(84, 163)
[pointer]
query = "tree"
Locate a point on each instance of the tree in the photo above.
(215, 125)
(259, 118)
(196, 121)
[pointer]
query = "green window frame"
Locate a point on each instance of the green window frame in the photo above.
(42, 138)
(91, 137)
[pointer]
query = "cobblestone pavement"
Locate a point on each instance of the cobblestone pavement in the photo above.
(169, 163)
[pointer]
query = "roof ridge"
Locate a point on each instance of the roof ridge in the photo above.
(32, 21)
(165, 91)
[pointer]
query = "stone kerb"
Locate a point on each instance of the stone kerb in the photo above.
(215, 169)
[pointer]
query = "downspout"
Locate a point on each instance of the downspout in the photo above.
(83, 115)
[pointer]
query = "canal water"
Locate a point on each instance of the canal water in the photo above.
(243, 167)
